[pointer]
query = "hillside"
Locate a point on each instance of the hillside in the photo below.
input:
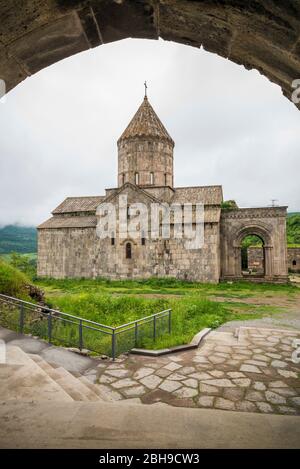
(293, 228)
(18, 239)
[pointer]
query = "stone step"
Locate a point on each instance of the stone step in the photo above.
(243, 336)
(225, 338)
(22, 379)
(95, 388)
(75, 387)
(41, 362)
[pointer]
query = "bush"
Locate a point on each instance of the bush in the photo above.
(24, 263)
(13, 282)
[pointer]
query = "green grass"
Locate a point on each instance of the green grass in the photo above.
(30, 256)
(161, 286)
(13, 282)
(189, 314)
(194, 305)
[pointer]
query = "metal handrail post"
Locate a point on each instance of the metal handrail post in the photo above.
(136, 334)
(80, 335)
(49, 327)
(113, 345)
(21, 321)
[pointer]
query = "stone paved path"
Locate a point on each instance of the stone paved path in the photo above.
(253, 372)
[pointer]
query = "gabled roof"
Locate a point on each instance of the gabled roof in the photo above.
(129, 185)
(146, 123)
(208, 195)
(79, 204)
(69, 222)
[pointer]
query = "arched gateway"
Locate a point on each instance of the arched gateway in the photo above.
(269, 224)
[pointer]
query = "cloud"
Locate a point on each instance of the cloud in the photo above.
(231, 126)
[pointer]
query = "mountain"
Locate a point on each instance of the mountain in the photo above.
(22, 239)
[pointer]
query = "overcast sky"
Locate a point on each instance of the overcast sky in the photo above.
(231, 126)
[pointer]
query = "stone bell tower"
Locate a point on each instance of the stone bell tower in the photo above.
(145, 150)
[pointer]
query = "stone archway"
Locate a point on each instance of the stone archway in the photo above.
(264, 34)
(269, 224)
(265, 236)
(253, 257)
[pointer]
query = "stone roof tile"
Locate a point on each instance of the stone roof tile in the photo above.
(69, 222)
(146, 123)
(208, 195)
(79, 204)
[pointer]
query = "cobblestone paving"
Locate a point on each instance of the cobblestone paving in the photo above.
(253, 372)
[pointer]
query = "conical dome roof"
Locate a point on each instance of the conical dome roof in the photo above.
(146, 123)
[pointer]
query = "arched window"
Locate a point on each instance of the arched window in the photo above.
(151, 178)
(128, 251)
(137, 178)
(294, 262)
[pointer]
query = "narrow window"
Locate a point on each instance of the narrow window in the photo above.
(123, 179)
(165, 179)
(137, 178)
(143, 239)
(112, 239)
(128, 212)
(294, 262)
(128, 250)
(151, 178)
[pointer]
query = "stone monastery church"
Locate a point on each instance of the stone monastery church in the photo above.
(68, 245)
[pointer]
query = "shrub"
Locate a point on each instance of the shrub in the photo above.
(13, 282)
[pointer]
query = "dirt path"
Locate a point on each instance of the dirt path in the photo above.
(284, 301)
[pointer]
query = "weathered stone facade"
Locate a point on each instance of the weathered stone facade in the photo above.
(69, 246)
(294, 259)
(256, 259)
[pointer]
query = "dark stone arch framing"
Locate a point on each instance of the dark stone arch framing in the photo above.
(264, 35)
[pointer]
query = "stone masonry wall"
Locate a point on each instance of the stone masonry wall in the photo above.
(256, 259)
(145, 156)
(294, 259)
(78, 252)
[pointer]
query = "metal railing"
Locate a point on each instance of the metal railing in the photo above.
(63, 328)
